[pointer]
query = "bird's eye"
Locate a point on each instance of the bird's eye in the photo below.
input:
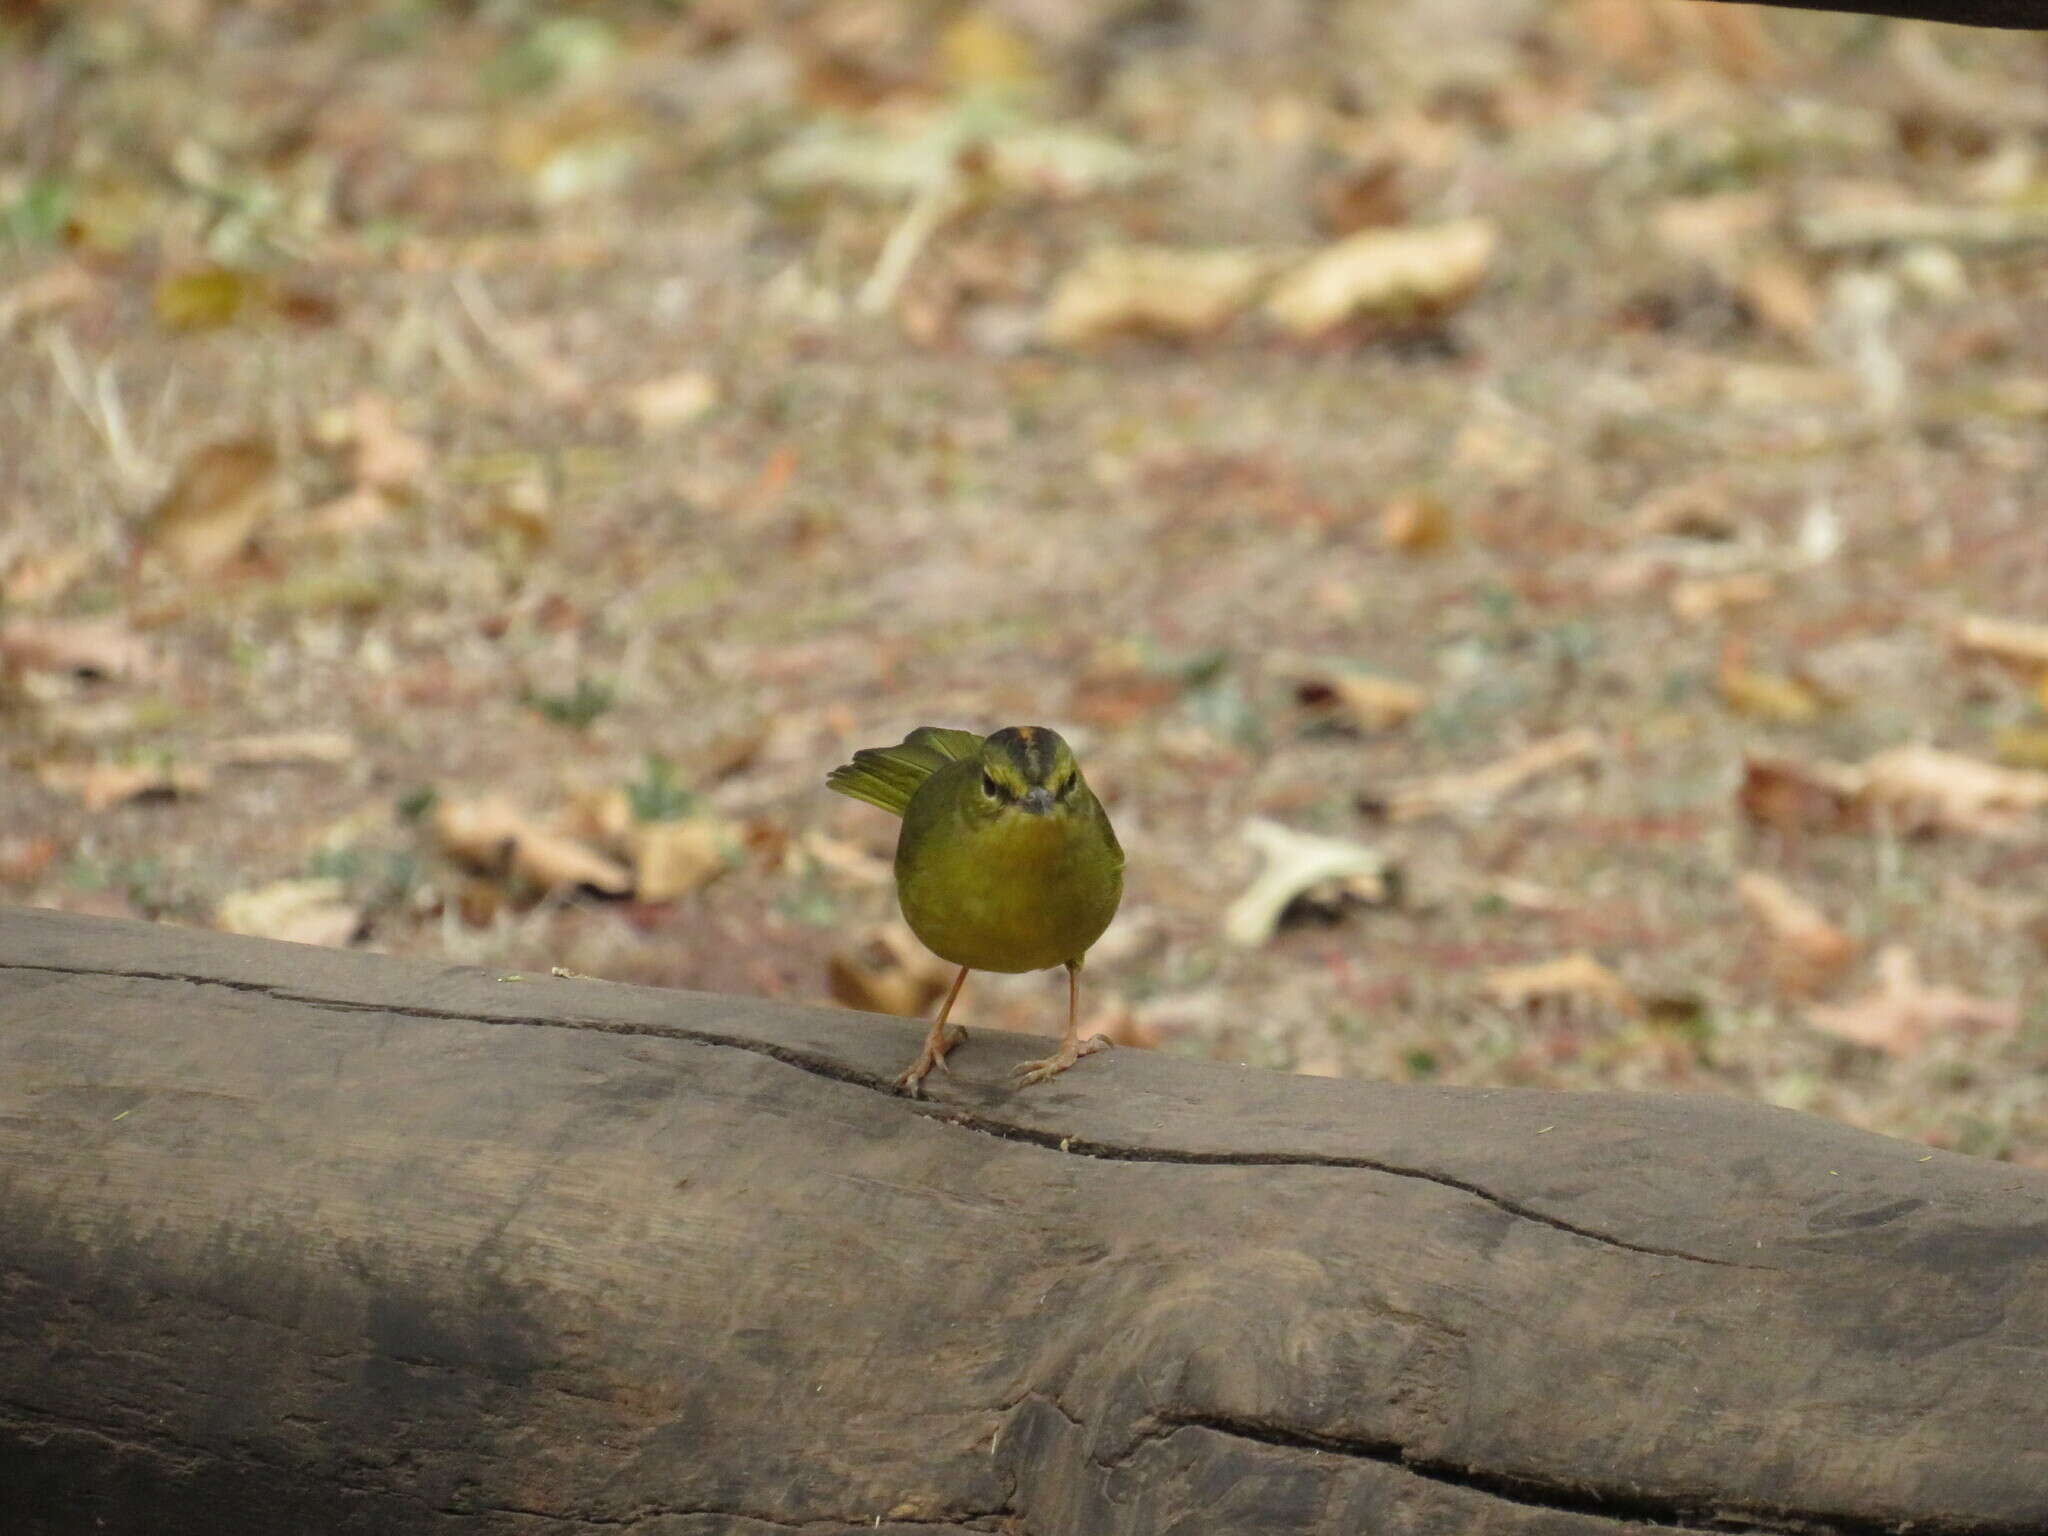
(1061, 789)
(988, 786)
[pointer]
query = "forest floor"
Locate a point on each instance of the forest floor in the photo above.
(467, 473)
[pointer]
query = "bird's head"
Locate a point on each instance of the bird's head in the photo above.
(1029, 769)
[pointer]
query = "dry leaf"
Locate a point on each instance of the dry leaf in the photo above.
(845, 859)
(1036, 160)
(97, 648)
(1569, 979)
(672, 401)
(319, 748)
(296, 911)
(1792, 796)
(1903, 1014)
(1693, 509)
(99, 786)
(1910, 789)
(1480, 788)
(1417, 270)
(2015, 642)
(673, 858)
(45, 575)
(1779, 698)
(1779, 293)
(60, 287)
(206, 298)
(1151, 290)
(491, 834)
(1715, 229)
(1325, 872)
(1358, 700)
(351, 512)
(888, 971)
(731, 752)
(223, 495)
(1700, 598)
(387, 457)
(1415, 524)
(1807, 952)
(23, 859)
(1920, 786)
(601, 814)
(2022, 746)
(979, 51)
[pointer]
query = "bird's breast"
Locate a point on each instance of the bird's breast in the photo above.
(1016, 893)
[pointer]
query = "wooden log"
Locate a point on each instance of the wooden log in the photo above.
(2020, 14)
(298, 1240)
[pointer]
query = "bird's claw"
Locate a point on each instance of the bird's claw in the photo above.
(912, 1079)
(1028, 1072)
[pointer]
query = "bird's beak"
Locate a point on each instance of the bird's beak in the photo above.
(1037, 801)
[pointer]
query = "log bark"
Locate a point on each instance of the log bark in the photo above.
(2021, 14)
(299, 1240)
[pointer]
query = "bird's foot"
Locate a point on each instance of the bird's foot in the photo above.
(1028, 1072)
(933, 1055)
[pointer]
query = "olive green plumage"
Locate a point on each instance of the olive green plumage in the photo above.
(1006, 861)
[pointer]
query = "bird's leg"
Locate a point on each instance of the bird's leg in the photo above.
(1072, 1046)
(939, 1041)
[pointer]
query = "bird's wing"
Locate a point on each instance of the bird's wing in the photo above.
(889, 776)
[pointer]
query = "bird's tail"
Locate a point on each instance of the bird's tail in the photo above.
(889, 776)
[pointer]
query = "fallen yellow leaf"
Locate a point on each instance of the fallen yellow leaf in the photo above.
(223, 495)
(888, 971)
(1807, 952)
(319, 748)
(491, 834)
(673, 858)
(1151, 290)
(1909, 789)
(1704, 597)
(1360, 700)
(1577, 977)
(1783, 700)
(2015, 642)
(1903, 1014)
(672, 401)
(99, 786)
(1415, 524)
(1414, 270)
(295, 911)
(102, 648)
(1479, 788)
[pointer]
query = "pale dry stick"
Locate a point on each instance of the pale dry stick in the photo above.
(99, 402)
(921, 220)
(1972, 227)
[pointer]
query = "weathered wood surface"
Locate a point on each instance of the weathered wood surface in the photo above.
(1976, 13)
(294, 1240)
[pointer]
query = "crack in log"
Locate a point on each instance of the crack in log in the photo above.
(1671, 1512)
(826, 1067)
(817, 1525)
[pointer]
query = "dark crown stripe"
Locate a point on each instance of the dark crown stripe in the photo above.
(1032, 750)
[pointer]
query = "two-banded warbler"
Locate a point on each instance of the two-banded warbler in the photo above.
(1006, 862)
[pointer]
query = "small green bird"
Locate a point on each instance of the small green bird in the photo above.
(1006, 862)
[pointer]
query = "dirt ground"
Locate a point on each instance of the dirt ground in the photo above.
(575, 428)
